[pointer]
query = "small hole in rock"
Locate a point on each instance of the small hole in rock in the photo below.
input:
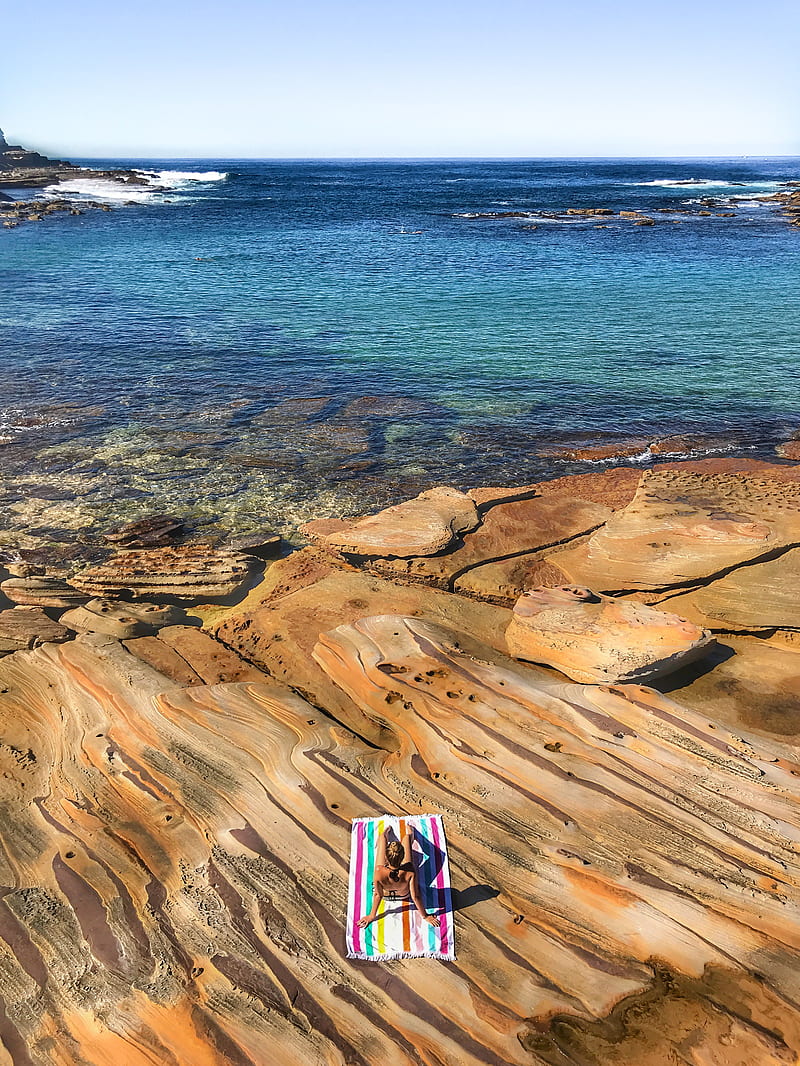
(69, 855)
(334, 806)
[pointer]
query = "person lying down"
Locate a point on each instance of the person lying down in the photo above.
(395, 878)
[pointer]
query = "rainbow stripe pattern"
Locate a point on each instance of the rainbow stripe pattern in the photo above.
(399, 932)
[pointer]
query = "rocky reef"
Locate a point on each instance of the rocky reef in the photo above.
(181, 758)
(21, 168)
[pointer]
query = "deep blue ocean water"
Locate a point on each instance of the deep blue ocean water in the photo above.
(282, 339)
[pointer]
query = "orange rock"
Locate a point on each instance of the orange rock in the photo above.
(422, 526)
(790, 449)
(599, 639)
(683, 527)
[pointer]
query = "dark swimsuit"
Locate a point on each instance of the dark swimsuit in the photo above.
(394, 896)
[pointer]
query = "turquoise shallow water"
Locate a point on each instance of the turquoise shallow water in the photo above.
(258, 342)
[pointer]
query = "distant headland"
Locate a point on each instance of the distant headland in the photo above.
(22, 168)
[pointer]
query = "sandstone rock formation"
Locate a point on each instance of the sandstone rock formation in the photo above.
(422, 526)
(601, 639)
(625, 863)
(155, 531)
(28, 627)
(187, 572)
(42, 591)
(684, 527)
(121, 620)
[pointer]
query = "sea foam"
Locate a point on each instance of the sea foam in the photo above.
(158, 182)
(702, 183)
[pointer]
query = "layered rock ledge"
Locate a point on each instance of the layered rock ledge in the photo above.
(625, 858)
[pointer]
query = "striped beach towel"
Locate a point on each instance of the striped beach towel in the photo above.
(399, 932)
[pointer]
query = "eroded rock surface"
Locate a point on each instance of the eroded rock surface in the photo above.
(28, 627)
(422, 526)
(188, 572)
(121, 620)
(594, 638)
(42, 591)
(625, 863)
(684, 527)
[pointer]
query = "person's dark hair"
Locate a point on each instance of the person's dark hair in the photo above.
(394, 859)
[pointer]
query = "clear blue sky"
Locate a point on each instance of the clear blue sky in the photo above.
(263, 78)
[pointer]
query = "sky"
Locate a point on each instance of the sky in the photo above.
(268, 79)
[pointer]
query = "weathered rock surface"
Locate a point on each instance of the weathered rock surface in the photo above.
(594, 638)
(42, 591)
(684, 527)
(422, 526)
(745, 683)
(506, 529)
(307, 594)
(762, 596)
(187, 572)
(28, 627)
(625, 865)
(121, 620)
(185, 896)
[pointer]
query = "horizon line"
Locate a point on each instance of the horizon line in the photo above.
(428, 158)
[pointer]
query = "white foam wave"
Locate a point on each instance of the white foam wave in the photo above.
(178, 177)
(99, 189)
(702, 183)
(157, 182)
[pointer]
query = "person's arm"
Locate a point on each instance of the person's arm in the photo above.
(380, 849)
(431, 919)
(407, 849)
(377, 896)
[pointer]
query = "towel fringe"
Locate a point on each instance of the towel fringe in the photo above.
(443, 956)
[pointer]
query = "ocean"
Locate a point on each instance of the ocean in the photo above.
(250, 344)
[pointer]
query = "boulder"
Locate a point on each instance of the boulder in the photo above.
(597, 639)
(28, 627)
(188, 572)
(423, 526)
(120, 620)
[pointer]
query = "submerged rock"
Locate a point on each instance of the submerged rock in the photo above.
(597, 639)
(155, 531)
(262, 545)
